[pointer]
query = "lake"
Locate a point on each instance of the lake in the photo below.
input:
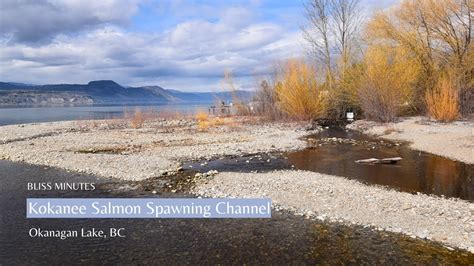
(22, 115)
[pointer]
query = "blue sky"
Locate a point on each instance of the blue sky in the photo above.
(185, 45)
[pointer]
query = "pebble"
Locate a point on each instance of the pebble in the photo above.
(336, 199)
(152, 152)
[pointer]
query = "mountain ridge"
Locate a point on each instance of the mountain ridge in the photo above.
(103, 92)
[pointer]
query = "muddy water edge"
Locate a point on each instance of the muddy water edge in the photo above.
(284, 238)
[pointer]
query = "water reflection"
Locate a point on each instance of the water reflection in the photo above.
(417, 172)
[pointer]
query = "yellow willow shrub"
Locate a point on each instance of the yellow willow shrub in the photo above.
(344, 94)
(298, 92)
(442, 102)
(388, 82)
(203, 120)
(438, 33)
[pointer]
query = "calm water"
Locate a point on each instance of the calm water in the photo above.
(416, 172)
(21, 115)
(283, 239)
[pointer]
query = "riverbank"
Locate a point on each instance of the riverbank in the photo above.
(453, 140)
(340, 200)
(110, 148)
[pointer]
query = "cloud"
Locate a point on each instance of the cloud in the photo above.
(78, 41)
(33, 21)
(193, 49)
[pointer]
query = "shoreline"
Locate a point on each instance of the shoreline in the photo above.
(109, 149)
(451, 140)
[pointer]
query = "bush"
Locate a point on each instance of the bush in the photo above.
(442, 102)
(137, 118)
(203, 120)
(266, 99)
(343, 95)
(387, 85)
(298, 92)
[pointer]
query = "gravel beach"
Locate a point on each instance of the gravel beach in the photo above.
(338, 199)
(108, 149)
(453, 140)
(111, 149)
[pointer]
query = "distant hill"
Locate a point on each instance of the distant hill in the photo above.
(103, 92)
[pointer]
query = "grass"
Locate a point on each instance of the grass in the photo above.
(206, 122)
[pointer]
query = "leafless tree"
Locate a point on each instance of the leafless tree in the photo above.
(347, 20)
(317, 32)
(332, 30)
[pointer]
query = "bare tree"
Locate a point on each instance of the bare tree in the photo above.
(332, 29)
(346, 20)
(317, 33)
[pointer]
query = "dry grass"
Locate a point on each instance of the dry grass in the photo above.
(203, 120)
(442, 102)
(298, 92)
(168, 114)
(206, 122)
(202, 116)
(112, 123)
(85, 124)
(239, 104)
(136, 118)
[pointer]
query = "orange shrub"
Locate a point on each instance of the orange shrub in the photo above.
(137, 118)
(298, 92)
(203, 120)
(442, 102)
(388, 82)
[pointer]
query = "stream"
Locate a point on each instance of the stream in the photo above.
(335, 150)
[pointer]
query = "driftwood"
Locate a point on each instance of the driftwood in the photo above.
(380, 161)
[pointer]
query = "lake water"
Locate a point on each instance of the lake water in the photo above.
(22, 115)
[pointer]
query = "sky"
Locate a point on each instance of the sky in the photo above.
(177, 44)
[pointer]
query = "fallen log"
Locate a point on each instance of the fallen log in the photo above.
(393, 160)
